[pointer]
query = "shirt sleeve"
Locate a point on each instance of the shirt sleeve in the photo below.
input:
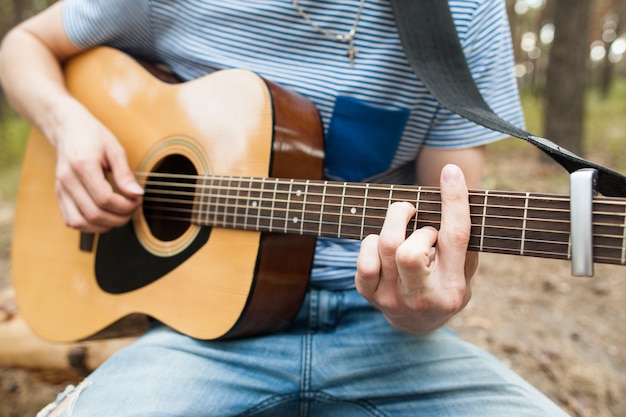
(486, 42)
(122, 24)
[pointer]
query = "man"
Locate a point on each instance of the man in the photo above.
(369, 339)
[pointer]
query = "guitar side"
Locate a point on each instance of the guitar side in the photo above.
(226, 124)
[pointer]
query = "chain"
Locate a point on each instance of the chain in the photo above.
(339, 37)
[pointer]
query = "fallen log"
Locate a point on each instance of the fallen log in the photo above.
(21, 348)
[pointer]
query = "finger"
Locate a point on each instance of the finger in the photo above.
(78, 189)
(455, 228)
(392, 235)
(73, 217)
(100, 191)
(368, 267)
(414, 260)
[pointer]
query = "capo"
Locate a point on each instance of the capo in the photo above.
(582, 191)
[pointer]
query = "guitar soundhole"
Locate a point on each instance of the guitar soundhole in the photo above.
(169, 197)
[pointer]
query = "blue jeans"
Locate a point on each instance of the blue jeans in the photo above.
(340, 358)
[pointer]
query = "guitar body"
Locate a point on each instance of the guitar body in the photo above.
(206, 282)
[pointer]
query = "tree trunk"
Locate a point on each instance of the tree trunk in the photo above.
(567, 74)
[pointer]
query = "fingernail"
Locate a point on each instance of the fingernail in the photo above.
(451, 174)
(134, 188)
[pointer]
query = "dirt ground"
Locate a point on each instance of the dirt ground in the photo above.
(565, 335)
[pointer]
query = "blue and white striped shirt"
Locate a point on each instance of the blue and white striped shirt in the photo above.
(377, 115)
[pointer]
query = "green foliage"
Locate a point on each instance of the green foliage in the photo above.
(13, 134)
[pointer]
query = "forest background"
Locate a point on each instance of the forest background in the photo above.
(566, 335)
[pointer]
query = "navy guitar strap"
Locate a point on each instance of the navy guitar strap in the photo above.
(432, 46)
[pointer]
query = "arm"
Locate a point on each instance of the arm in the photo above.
(31, 56)
(418, 290)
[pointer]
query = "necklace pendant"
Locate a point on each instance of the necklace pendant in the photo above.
(352, 51)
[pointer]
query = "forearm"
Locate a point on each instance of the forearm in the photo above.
(31, 75)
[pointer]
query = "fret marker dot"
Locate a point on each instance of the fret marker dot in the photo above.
(298, 193)
(254, 204)
(353, 210)
(295, 220)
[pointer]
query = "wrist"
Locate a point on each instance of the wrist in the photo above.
(58, 113)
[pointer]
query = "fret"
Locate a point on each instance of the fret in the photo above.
(305, 194)
(227, 204)
(430, 209)
(417, 206)
(609, 232)
(312, 208)
(280, 204)
(331, 216)
(217, 203)
(378, 200)
(198, 202)
(484, 220)
(198, 206)
(273, 205)
(353, 211)
(265, 205)
(524, 221)
(363, 211)
(211, 201)
(294, 208)
(341, 208)
(246, 207)
(321, 219)
(241, 192)
(288, 204)
(259, 205)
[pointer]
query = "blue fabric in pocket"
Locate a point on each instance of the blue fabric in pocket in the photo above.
(362, 139)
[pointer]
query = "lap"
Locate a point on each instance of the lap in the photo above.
(340, 358)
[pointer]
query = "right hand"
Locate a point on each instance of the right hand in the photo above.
(86, 152)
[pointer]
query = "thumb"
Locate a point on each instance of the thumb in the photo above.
(123, 177)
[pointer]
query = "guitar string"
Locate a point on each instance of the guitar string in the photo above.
(280, 222)
(221, 210)
(216, 207)
(372, 187)
(599, 256)
(284, 220)
(372, 198)
(216, 201)
(563, 254)
(221, 191)
(221, 196)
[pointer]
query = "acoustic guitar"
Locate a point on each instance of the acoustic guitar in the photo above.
(222, 246)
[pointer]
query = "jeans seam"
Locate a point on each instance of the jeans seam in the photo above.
(311, 396)
(307, 352)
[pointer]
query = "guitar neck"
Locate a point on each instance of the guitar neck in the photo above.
(513, 223)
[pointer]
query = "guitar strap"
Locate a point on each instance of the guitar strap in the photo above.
(432, 46)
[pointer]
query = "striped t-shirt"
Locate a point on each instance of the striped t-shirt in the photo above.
(376, 114)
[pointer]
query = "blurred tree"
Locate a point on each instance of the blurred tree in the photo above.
(11, 13)
(566, 78)
(610, 18)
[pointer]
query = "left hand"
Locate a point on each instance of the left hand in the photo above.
(416, 287)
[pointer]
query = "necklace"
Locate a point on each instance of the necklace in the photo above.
(339, 37)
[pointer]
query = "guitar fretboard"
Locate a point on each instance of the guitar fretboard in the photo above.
(514, 223)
